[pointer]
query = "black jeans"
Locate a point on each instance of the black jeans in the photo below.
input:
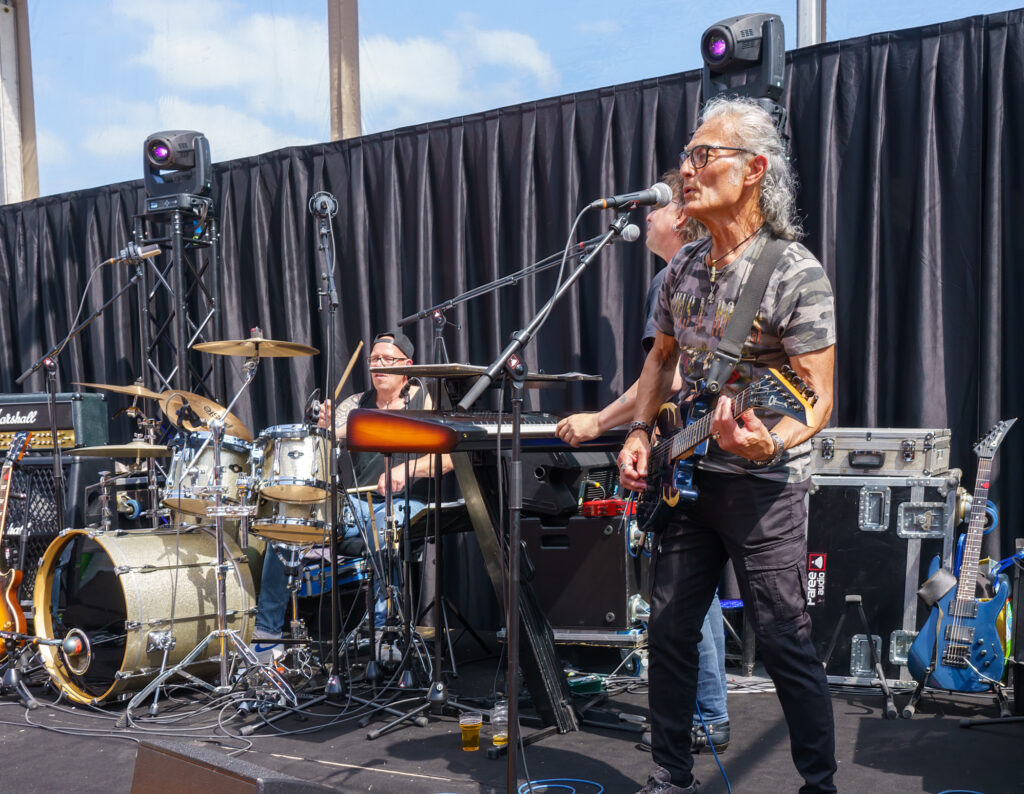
(759, 524)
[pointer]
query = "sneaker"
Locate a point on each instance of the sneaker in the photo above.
(717, 731)
(264, 644)
(660, 782)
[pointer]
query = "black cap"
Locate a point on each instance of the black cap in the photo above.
(398, 339)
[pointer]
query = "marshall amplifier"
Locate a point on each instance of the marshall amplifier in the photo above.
(32, 513)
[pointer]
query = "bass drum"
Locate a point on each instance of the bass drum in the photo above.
(122, 588)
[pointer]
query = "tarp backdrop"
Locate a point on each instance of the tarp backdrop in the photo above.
(907, 148)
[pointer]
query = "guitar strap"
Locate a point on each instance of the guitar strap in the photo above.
(727, 354)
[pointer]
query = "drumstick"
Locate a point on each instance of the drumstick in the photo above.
(348, 369)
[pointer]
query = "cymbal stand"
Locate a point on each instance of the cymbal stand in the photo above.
(226, 637)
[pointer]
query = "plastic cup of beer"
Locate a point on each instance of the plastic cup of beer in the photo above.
(499, 723)
(470, 726)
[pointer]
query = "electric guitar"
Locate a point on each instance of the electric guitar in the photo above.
(681, 441)
(960, 639)
(11, 616)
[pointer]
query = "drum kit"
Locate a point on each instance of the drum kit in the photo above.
(178, 598)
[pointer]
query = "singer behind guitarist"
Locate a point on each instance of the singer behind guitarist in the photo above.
(738, 182)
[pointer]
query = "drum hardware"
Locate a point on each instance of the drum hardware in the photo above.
(226, 638)
(256, 347)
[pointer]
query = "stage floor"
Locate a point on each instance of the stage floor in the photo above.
(56, 748)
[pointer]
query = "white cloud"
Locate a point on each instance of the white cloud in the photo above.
(51, 148)
(468, 70)
(277, 64)
(515, 50)
(231, 133)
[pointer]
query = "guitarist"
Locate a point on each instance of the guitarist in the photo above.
(751, 486)
(668, 229)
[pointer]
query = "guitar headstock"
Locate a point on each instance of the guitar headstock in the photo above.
(18, 446)
(783, 392)
(987, 446)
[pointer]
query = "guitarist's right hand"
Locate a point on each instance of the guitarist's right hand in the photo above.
(633, 461)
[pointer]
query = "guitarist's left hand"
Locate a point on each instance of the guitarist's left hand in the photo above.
(747, 437)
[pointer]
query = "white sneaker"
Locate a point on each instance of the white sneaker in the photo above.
(264, 644)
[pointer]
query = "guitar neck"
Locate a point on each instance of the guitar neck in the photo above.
(5, 491)
(699, 431)
(975, 532)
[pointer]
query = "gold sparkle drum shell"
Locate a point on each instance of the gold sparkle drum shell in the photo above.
(293, 463)
(294, 524)
(123, 590)
(192, 470)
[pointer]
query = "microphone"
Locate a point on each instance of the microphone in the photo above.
(133, 254)
(631, 233)
(659, 194)
(323, 204)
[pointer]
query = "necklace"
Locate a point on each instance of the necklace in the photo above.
(713, 262)
(713, 271)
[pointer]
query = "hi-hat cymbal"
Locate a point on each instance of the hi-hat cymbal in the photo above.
(134, 390)
(256, 345)
(134, 449)
(203, 410)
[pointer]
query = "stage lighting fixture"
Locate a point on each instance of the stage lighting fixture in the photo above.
(177, 162)
(737, 44)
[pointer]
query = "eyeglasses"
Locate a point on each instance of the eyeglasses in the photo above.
(385, 361)
(698, 155)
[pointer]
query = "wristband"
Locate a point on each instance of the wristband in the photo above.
(636, 425)
(776, 456)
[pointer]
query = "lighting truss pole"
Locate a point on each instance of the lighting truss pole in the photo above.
(810, 22)
(180, 295)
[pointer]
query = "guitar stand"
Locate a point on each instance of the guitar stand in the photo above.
(856, 600)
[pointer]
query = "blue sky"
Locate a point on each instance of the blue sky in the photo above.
(253, 75)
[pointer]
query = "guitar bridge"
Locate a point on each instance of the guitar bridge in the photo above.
(955, 656)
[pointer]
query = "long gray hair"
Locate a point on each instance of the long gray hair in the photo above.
(756, 131)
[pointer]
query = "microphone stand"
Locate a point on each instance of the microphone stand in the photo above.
(325, 206)
(49, 360)
(435, 312)
(511, 362)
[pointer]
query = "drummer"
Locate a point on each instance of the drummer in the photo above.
(388, 393)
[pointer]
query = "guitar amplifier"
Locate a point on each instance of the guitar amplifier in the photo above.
(32, 513)
(874, 537)
(585, 577)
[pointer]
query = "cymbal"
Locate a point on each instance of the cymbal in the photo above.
(256, 345)
(133, 449)
(206, 409)
(134, 390)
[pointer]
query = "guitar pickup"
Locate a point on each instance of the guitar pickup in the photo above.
(960, 634)
(963, 609)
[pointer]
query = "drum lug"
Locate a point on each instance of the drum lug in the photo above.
(159, 641)
(121, 570)
(132, 625)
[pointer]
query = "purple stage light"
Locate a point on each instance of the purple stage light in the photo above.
(717, 47)
(160, 152)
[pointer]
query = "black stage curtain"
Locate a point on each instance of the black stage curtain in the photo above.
(911, 191)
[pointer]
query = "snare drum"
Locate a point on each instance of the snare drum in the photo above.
(191, 472)
(293, 463)
(294, 524)
(121, 590)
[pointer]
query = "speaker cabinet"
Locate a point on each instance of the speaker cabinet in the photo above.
(171, 768)
(584, 575)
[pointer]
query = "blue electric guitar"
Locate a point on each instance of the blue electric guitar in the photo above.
(959, 647)
(681, 441)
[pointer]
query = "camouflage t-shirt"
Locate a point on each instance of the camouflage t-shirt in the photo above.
(796, 315)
